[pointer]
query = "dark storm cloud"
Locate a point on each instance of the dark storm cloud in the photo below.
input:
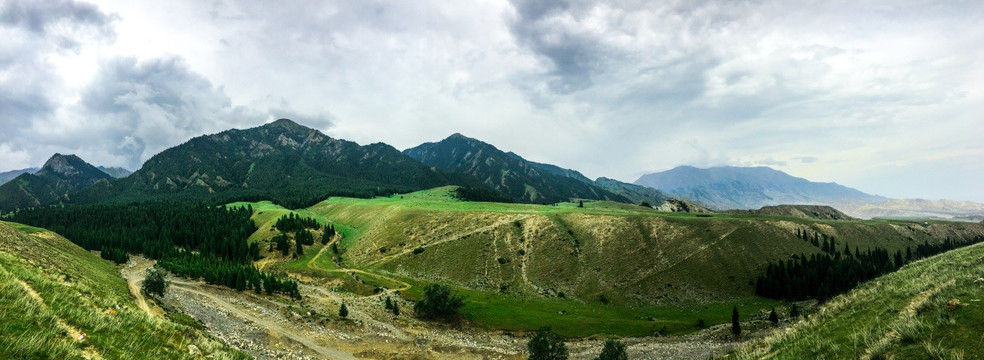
(140, 108)
(64, 21)
(574, 56)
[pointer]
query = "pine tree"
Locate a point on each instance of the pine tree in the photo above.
(613, 350)
(794, 312)
(773, 317)
(545, 345)
(343, 311)
(735, 323)
(389, 304)
(396, 309)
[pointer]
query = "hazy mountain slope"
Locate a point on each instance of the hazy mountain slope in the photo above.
(635, 193)
(116, 172)
(60, 175)
(748, 188)
(282, 161)
(556, 170)
(10, 175)
(507, 173)
(629, 254)
(53, 290)
(929, 309)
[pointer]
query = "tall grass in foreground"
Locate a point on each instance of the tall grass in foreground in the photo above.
(51, 291)
(903, 315)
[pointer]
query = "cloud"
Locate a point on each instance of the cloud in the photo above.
(65, 22)
(831, 91)
(34, 32)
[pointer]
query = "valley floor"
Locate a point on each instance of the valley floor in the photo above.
(277, 328)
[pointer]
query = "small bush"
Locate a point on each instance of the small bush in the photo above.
(439, 302)
(418, 250)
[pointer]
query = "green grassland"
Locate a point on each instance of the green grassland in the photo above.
(606, 268)
(51, 290)
(903, 315)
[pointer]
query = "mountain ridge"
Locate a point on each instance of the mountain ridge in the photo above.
(507, 172)
(282, 160)
(60, 176)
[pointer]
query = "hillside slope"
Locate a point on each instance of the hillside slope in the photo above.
(626, 253)
(508, 173)
(53, 291)
(730, 187)
(929, 309)
(635, 193)
(60, 176)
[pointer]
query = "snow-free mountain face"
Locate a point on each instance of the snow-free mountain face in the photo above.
(116, 172)
(284, 161)
(60, 176)
(749, 187)
(508, 173)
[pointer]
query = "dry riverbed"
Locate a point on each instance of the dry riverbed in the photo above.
(274, 327)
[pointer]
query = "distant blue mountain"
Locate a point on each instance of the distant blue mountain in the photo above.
(731, 187)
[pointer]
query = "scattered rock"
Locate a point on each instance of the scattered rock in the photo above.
(952, 304)
(979, 281)
(193, 350)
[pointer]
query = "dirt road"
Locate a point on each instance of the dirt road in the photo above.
(134, 272)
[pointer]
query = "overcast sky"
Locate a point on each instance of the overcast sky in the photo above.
(883, 96)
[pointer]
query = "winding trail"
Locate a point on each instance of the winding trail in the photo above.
(403, 284)
(134, 272)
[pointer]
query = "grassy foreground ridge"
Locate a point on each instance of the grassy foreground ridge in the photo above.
(52, 291)
(929, 309)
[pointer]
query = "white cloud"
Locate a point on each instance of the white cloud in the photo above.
(835, 91)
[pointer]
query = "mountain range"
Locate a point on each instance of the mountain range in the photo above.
(749, 188)
(297, 166)
(730, 187)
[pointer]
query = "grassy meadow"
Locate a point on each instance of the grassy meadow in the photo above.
(606, 268)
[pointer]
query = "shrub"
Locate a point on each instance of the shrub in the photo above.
(613, 350)
(156, 282)
(546, 345)
(439, 302)
(418, 250)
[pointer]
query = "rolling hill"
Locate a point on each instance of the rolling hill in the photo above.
(53, 291)
(508, 173)
(929, 309)
(625, 253)
(280, 161)
(819, 212)
(722, 188)
(60, 176)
